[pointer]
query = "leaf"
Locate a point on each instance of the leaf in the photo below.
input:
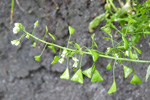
(76, 45)
(88, 72)
(106, 38)
(138, 50)
(92, 36)
(127, 71)
(96, 76)
(148, 73)
(78, 77)
(96, 21)
(94, 54)
(125, 42)
(53, 48)
(135, 80)
(95, 45)
(109, 66)
(131, 55)
(106, 29)
(65, 75)
(46, 29)
(113, 88)
(37, 58)
(56, 58)
(71, 30)
(53, 37)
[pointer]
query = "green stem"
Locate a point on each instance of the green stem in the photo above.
(84, 52)
(32, 34)
(67, 61)
(114, 70)
(43, 49)
(132, 67)
(68, 41)
(112, 4)
(81, 61)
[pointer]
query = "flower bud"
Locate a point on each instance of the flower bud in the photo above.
(107, 6)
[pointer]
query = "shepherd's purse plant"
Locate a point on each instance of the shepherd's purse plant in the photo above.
(134, 23)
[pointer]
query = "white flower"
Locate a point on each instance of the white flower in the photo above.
(36, 24)
(149, 25)
(16, 29)
(64, 54)
(75, 62)
(127, 53)
(61, 60)
(75, 59)
(116, 55)
(27, 36)
(75, 65)
(15, 42)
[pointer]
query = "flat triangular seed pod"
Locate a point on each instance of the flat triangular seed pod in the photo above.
(113, 88)
(135, 80)
(78, 77)
(65, 75)
(88, 72)
(96, 76)
(127, 71)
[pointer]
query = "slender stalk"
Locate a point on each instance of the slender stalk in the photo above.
(11, 13)
(68, 41)
(43, 49)
(84, 52)
(114, 70)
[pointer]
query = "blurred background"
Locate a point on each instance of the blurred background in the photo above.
(22, 78)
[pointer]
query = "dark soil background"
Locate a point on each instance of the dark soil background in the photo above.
(22, 78)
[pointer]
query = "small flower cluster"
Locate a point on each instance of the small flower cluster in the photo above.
(63, 56)
(15, 42)
(17, 28)
(75, 65)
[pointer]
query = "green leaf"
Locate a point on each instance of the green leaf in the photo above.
(53, 48)
(53, 37)
(135, 80)
(107, 29)
(78, 77)
(127, 71)
(109, 66)
(138, 50)
(71, 30)
(46, 29)
(95, 45)
(113, 88)
(94, 54)
(125, 42)
(148, 73)
(131, 55)
(37, 58)
(96, 76)
(92, 36)
(76, 45)
(56, 58)
(94, 23)
(88, 72)
(106, 38)
(65, 75)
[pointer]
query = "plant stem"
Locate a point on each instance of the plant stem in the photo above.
(43, 49)
(68, 41)
(84, 52)
(114, 70)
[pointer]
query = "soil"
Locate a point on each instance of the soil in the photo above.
(22, 78)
